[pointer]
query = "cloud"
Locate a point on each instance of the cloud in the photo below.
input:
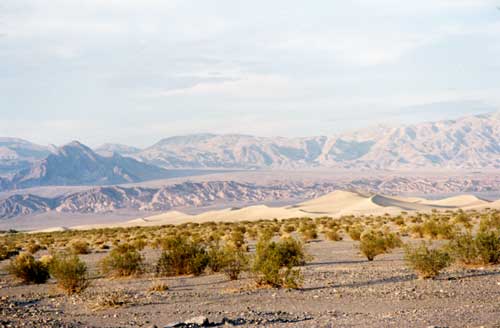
(74, 69)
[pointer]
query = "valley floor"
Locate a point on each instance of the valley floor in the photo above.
(341, 289)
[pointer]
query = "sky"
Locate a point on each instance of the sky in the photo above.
(136, 71)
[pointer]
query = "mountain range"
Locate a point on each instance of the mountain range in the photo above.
(467, 143)
(107, 199)
(77, 164)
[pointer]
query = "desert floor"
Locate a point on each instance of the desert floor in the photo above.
(341, 289)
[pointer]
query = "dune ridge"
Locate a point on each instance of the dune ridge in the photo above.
(335, 204)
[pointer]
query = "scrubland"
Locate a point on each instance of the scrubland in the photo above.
(409, 270)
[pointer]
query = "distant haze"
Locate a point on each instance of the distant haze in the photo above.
(134, 72)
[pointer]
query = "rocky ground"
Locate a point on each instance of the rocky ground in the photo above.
(341, 289)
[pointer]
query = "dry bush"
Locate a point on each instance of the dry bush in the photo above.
(234, 262)
(355, 232)
(427, 262)
(333, 235)
(70, 272)
(158, 287)
(122, 261)
(25, 267)
(110, 299)
(437, 229)
(7, 251)
(32, 248)
(80, 247)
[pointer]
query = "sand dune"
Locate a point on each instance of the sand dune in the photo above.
(460, 201)
(335, 204)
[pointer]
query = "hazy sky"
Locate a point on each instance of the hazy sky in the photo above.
(136, 71)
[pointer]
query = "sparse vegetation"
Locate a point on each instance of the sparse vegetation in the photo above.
(70, 272)
(373, 243)
(80, 247)
(181, 256)
(275, 262)
(28, 269)
(426, 261)
(122, 261)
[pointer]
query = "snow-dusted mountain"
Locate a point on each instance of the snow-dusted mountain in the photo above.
(469, 142)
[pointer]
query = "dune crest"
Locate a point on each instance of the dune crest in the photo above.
(335, 204)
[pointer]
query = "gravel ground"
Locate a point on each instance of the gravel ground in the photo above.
(341, 289)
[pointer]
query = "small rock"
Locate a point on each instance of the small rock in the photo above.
(200, 321)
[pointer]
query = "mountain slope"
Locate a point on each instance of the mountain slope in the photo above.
(467, 143)
(17, 154)
(76, 164)
(109, 149)
(189, 194)
(233, 151)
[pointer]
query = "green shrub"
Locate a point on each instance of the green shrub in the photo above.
(25, 267)
(181, 256)
(482, 249)
(70, 272)
(436, 229)
(234, 262)
(488, 244)
(274, 262)
(425, 261)
(122, 261)
(373, 243)
(464, 250)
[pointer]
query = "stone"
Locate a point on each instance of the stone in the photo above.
(200, 321)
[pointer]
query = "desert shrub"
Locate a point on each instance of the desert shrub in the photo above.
(139, 244)
(490, 221)
(215, 256)
(274, 262)
(463, 219)
(463, 249)
(25, 267)
(234, 261)
(122, 261)
(7, 252)
(373, 243)
(488, 244)
(80, 247)
(309, 234)
(333, 235)
(436, 229)
(237, 239)
(158, 287)
(32, 248)
(484, 248)
(427, 262)
(181, 256)
(355, 232)
(70, 272)
(110, 299)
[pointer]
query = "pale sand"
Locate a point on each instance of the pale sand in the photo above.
(335, 204)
